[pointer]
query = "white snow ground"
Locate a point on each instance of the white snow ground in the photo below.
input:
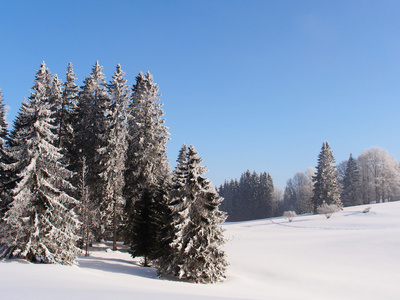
(350, 256)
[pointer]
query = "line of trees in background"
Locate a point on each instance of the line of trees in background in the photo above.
(372, 177)
(252, 197)
(89, 164)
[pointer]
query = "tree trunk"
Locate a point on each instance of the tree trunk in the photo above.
(115, 225)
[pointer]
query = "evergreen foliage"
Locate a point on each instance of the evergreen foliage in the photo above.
(351, 184)
(326, 185)
(198, 234)
(149, 230)
(146, 161)
(114, 155)
(40, 224)
(252, 197)
(66, 112)
(114, 146)
(6, 183)
(90, 127)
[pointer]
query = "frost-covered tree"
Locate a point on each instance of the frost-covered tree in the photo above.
(177, 195)
(5, 174)
(55, 95)
(379, 176)
(299, 192)
(146, 162)
(198, 233)
(326, 185)
(114, 154)
(22, 123)
(351, 184)
(4, 161)
(66, 112)
(290, 215)
(40, 224)
(89, 130)
(327, 209)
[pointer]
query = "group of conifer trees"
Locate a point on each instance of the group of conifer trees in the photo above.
(250, 197)
(90, 163)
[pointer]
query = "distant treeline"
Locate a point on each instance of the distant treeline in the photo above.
(252, 197)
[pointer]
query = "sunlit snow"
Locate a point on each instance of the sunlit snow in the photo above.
(352, 255)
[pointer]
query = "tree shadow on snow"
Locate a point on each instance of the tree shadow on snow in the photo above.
(120, 266)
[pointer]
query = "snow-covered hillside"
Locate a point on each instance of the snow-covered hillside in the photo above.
(352, 255)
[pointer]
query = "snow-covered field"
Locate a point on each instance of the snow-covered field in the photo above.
(352, 255)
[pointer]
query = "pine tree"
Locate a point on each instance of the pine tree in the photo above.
(147, 163)
(41, 226)
(114, 154)
(326, 185)
(351, 184)
(198, 234)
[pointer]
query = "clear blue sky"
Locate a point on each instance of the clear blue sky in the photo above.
(253, 85)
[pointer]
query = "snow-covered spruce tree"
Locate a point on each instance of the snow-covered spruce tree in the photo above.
(5, 175)
(66, 112)
(198, 234)
(89, 127)
(55, 95)
(351, 184)
(114, 155)
(146, 162)
(326, 185)
(22, 123)
(41, 226)
(177, 200)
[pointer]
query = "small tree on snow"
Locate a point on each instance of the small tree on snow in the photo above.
(327, 209)
(290, 215)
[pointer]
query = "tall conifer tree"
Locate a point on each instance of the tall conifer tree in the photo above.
(40, 223)
(351, 184)
(5, 174)
(114, 154)
(146, 164)
(326, 184)
(89, 131)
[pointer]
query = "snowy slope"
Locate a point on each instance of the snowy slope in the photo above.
(350, 256)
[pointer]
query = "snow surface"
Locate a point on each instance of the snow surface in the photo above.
(352, 255)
